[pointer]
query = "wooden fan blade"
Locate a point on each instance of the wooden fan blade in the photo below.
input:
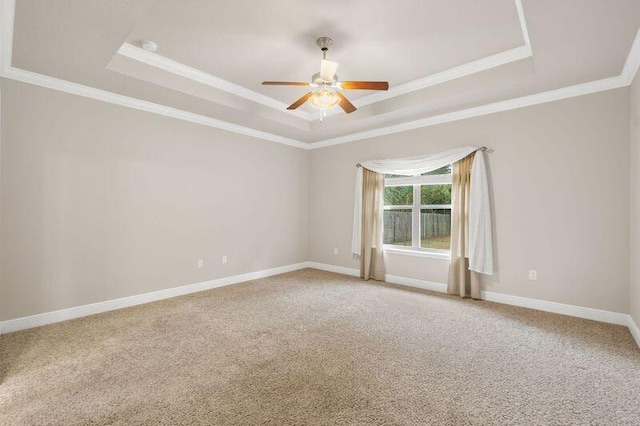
(344, 103)
(285, 83)
(300, 101)
(365, 85)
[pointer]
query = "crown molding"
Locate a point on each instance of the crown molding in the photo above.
(7, 19)
(483, 64)
(7, 14)
(632, 63)
(7, 11)
(629, 71)
(473, 67)
(115, 98)
(155, 60)
(161, 62)
(523, 25)
(501, 106)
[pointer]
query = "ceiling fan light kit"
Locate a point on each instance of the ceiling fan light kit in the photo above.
(327, 93)
(324, 99)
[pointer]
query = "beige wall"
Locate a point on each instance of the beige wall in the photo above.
(560, 177)
(101, 201)
(634, 293)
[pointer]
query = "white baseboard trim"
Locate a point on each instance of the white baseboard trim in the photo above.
(110, 305)
(412, 282)
(634, 329)
(557, 308)
(392, 279)
(333, 268)
(524, 302)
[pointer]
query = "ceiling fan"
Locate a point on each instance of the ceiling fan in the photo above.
(327, 88)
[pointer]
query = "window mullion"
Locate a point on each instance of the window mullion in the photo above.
(415, 215)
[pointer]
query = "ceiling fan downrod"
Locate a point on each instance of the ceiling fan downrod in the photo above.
(324, 43)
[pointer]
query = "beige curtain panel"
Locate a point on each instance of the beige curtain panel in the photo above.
(372, 257)
(472, 241)
(462, 281)
(480, 245)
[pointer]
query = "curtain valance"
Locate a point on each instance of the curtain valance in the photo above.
(480, 239)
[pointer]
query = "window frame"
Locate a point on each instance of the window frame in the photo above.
(416, 207)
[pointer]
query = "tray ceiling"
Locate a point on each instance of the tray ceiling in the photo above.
(439, 57)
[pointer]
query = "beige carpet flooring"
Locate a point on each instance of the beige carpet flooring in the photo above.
(317, 348)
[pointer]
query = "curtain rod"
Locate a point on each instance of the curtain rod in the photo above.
(482, 148)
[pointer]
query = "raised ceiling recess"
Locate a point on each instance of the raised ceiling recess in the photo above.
(443, 61)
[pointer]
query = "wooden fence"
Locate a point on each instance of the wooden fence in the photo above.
(397, 226)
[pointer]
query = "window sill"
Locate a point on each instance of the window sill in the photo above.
(444, 255)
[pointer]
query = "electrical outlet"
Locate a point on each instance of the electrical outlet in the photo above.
(533, 274)
(335, 250)
(224, 259)
(200, 263)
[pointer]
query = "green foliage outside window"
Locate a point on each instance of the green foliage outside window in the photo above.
(398, 195)
(429, 194)
(435, 223)
(435, 194)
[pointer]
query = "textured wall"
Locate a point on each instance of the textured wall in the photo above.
(101, 201)
(560, 178)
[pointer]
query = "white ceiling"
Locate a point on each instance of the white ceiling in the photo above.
(439, 57)
(246, 42)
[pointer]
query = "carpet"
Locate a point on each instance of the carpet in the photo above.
(318, 348)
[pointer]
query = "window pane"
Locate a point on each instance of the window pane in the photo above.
(446, 170)
(435, 229)
(397, 227)
(435, 194)
(398, 196)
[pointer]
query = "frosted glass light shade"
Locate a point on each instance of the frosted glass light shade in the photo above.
(324, 99)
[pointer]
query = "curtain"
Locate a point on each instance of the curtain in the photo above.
(372, 260)
(480, 246)
(462, 281)
(480, 241)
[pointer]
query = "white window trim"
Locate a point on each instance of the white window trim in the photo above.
(416, 181)
(410, 251)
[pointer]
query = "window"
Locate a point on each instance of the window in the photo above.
(417, 211)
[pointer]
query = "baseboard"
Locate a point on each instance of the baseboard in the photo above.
(110, 305)
(333, 268)
(634, 329)
(393, 279)
(557, 308)
(524, 302)
(412, 282)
